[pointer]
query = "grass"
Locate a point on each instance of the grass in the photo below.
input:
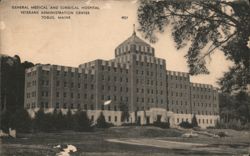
(94, 143)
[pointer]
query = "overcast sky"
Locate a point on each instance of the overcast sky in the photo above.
(87, 37)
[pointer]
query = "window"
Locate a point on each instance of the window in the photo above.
(42, 105)
(57, 83)
(46, 105)
(102, 107)
(65, 84)
(109, 119)
(57, 94)
(115, 118)
(57, 105)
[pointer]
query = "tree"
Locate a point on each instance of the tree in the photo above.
(39, 120)
(194, 122)
(235, 107)
(81, 121)
(69, 120)
(125, 112)
(21, 121)
(101, 122)
(204, 26)
(12, 82)
(185, 124)
(60, 121)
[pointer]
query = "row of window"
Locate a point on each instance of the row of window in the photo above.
(203, 104)
(197, 96)
(176, 94)
(121, 79)
(31, 73)
(204, 121)
(148, 64)
(149, 91)
(32, 83)
(31, 105)
(114, 69)
(177, 86)
(152, 100)
(198, 112)
(44, 82)
(202, 89)
(114, 88)
(171, 77)
(149, 82)
(147, 73)
(137, 48)
(177, 102)
(31, 94)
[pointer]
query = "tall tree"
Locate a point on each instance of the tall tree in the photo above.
(194, 122)
(12, 82)
(125, 112)
(81, 121)
(204, 26)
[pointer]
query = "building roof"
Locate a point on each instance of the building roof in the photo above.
(134, 39)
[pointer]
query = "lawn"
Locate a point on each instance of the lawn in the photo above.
(149, 141)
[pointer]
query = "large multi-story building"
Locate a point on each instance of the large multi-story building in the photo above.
(135, 78)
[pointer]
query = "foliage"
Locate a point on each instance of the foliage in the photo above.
(58, 122)
(21, 121)
(222, 134)
(186, 124)
(163, 125)
(5, 120)
(235, 107)
(125, 112)
(12, 82)
(194, 121)
(101, 122)
(204, 27)
(69, 118)
(81, 121)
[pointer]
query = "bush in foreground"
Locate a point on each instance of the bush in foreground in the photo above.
(185, 124)
(101, 122)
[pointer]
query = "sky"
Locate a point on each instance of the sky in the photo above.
(84, 38)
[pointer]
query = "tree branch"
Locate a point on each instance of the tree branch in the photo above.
(219, 45)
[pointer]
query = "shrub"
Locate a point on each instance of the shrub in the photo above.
(185, 124)
(82, 122)
(101, 122)
(129, 124)
(194, 121)
(163, 125)
(222, 134)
